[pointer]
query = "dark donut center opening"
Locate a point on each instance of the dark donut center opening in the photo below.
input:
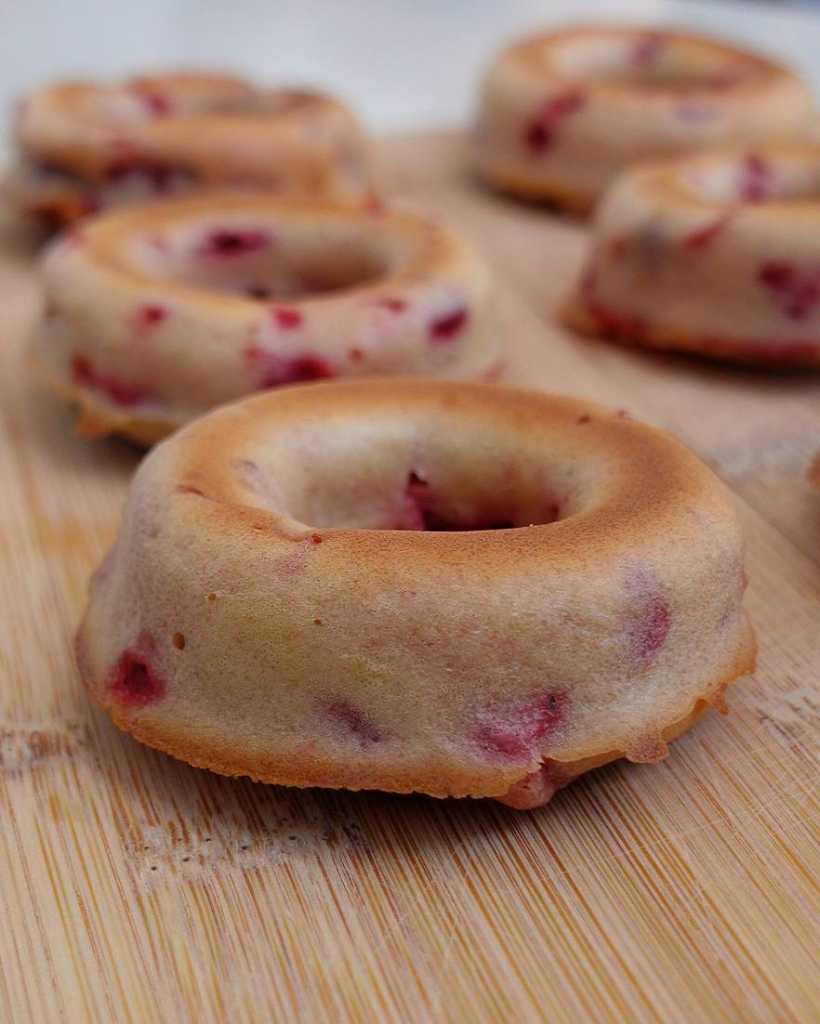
(266, 104)
(418, 503)
(653, 61)
(264, 261)
(378, 472)
(126, 179)
(754, 178)
(424, 507)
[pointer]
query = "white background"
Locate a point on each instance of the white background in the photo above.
(401, 63)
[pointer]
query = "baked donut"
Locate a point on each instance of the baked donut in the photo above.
(716, 254)
(158, 312)
(84, 147)
(562, 113)
(450, 588)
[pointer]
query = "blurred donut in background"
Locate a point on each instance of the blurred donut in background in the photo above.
(158, 312)
(83, 146)
(562, 113)
(717, 254)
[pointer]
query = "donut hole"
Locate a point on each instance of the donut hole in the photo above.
(278, 102)
(372, 476)
(264, 261)
(651, 60)
(439, 507)
(753, 177)
(160, 96)
(125, 180)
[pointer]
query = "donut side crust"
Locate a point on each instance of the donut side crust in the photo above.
(504, 177)
(574, 315)
(310, 771)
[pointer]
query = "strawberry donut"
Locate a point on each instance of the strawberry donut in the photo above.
(84, 146)
(448, 588)
(561, 114)
(716, 254)
(155, 313)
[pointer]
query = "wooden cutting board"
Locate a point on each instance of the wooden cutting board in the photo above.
(135, 888)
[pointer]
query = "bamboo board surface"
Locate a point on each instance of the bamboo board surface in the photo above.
(135, 888)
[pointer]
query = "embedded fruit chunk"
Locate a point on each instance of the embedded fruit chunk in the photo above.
(539, 135)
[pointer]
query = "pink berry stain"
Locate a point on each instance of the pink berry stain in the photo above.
(647, 51)
(700, 238)
(133, 681)
(232, 243)
(649, 619)
(90, 204)
(539, 133)
(74, 237)
(649, 247)
(617, 247)
(448, 326)
(725, 77)
(393, 305)
(272, 370)
(85, 374)
(157, 104)
(355, 721)
(412, 504)
(782, 352)
(513, 731)
(287, 318)
(610, 322)
(754, 180)
(695, 113)
(148, 317)
(796, 291)
(158, 177)
(552, 512)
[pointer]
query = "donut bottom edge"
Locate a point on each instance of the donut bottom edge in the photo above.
(507, 180)
(533, 790)
(575, 315)
(95, 420)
